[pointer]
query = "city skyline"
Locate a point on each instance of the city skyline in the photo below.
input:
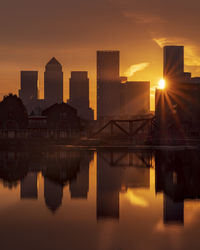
(145, 26)
(129, 73)
(100, 124)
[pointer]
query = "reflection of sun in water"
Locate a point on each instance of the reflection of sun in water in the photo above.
(161, 84)
(136, 200)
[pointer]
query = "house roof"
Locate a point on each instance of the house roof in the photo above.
(60, 105)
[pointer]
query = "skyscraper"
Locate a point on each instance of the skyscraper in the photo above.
(53, 82)
(108, 84)
(29, 86)
(173, 62)
(135, 98)
(79, 94)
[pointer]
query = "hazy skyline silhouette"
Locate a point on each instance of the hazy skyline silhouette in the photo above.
(33, 32)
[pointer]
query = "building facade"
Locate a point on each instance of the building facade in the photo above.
(177, 110)
(173, 62)
(53, 82)
(108, 84)
(29, 88)
(79, 94)
(135, 98)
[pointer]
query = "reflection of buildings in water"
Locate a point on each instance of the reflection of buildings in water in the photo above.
(53, 193)
(29, 186)
(173, 211)
(13, 167)
(80, 186)
(177, 176)
(108, 188)
(116, 175)
(59, 168)
(66, 167)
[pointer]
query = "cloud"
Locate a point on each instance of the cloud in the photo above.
(192, 51)
(166, 41)
(135, 68)
(143, 18)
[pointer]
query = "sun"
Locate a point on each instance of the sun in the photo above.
(161, 84)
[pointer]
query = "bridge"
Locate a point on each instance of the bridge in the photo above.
(140, 128)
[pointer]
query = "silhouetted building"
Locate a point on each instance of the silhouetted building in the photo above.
(37, 122)
(62, 116)
(53, 82)
(29, 186)
(177, 109)
(135, 98)
(79, 94)
(108, 84)
(53, 193)
(13, 114)
(173, 62)
(29, 88)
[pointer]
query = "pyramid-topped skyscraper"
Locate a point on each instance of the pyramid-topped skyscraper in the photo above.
(53, 82)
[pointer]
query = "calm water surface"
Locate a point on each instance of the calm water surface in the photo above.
(105, 200)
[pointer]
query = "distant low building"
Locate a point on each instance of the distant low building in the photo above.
(62, 116)
(135, 98)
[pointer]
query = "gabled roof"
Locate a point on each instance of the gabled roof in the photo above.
(60, 105)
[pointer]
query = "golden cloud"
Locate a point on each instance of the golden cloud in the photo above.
(143, 18)
(192, 51)
(135, 68)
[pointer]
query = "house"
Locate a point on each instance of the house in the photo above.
(62, 118)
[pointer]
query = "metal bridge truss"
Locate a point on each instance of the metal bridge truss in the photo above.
(128, 128)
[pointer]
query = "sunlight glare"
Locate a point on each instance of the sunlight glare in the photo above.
(161, 84)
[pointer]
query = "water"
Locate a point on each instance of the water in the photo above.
(105, 200)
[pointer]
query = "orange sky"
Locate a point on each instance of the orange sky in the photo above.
(34, 31)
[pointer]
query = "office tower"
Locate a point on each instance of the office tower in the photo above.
(108, 84)
(135, 98)
(79, 94)
(53, 82)
(173, 62)
(29, 86)
(29, 186)
(177, 106)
